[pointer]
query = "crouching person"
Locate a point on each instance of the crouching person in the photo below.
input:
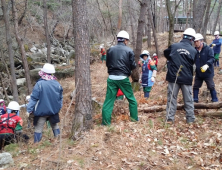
(45, 102)
(10, 124)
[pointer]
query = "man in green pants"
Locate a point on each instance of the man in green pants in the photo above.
(120, 62)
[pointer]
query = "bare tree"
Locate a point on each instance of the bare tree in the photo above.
(207, 17)
(83, 107)
(217, 16)
(171, 16)
(154, 31)
(10, 50)
(199, 8)
(139, 40)
(120, 16)
(45, 18)
(131, 23)
(22, 50)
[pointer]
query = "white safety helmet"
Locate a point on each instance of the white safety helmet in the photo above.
(154, 54)
(198, 36)
(216, 33)
(190, 32)
(13, 105)
(145, 52)
(48, 68)
(27, 98)
(123, 34)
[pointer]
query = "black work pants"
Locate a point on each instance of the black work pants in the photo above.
(199, 81)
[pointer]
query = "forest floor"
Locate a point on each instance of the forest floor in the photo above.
(146, 144)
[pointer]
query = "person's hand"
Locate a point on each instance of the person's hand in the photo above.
(152, 79)
(27, 114)
(204, 68)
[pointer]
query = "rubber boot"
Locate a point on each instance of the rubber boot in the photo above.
(37, 137)
(214, 95)
(146, 94)
(56, 132)
(195, 95)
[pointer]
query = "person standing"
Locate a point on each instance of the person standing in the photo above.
(204, 68)
(148, 73)
(120, 62)
(180, 56)
(103, 53)
(46, 102)
(155, 59)
(216, 44)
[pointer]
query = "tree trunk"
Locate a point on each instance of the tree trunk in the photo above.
(83, 107)
(149, 38)
(45, 18)
(139, 40)
(10, 50)
(206, 20)
(22, 50)
(199, 8)
(146, 109)
(154, 30)
(3, 86)
(120, 16)
(218, 14)
(131, 23)
(171, 22)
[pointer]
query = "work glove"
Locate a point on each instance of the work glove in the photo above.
(204, 68)
(27, 114)
(213, 45)
(152, 79)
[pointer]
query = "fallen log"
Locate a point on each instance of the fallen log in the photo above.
(212, 114)
(144, 108)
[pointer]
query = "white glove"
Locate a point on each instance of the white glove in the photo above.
(152, 79)
(204, 68)
(27, 114)
(213, 45)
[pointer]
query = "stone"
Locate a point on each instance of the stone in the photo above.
(20, 82)
(61, 73)
(38, 57)
(96, 106)
(6, 158)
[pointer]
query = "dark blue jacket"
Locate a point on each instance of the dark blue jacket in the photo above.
(180, 54)
(46, 98)
(205, 56)
(216, 48)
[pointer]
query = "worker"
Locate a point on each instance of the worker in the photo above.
(180, 59)
(204, 68)
(216, 44)
(120, 62)
(46, 102)
(149, 71)
(10, 124)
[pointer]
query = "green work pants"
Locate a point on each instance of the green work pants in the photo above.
(112, 88)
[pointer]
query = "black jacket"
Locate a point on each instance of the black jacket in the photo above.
(120, 60)
(178, 54)
(205, 56)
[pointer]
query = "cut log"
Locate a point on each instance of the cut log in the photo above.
(213, 114)
(216, 105)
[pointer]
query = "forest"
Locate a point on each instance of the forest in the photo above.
(69, 34)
